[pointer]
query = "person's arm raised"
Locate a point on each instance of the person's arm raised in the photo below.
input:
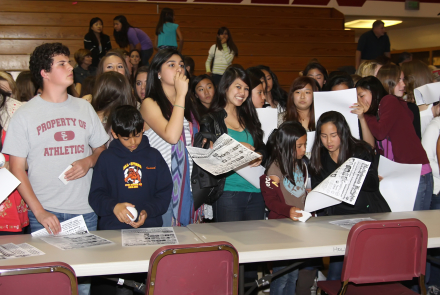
(171, 130)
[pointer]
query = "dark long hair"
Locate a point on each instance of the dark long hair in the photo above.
(255, 75)
(121, 37)
(166, 16)
(112, 89)
(230, 42)
(348, 146)
(279, 95)
(201, 108)
(291, 110)
(155, 90)
(3, 95)
(92, 34)
(142, 69)
(246, 113)
(319, 67)
(377, 90)
(281, 147)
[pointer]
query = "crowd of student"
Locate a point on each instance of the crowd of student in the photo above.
(136, 118)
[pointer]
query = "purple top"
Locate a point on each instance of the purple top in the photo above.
(136, 36)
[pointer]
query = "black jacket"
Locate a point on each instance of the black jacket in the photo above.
(207, 188)
(369, 200)
(91, 44)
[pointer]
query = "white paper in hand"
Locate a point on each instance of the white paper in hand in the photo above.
(269, 119)
(8, 183)
(63, 174)
(305, 215)
(133, 212)
(427, 94)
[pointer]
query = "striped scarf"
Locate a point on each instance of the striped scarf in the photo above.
(182, 199)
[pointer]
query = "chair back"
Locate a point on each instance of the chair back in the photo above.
(210, 268)
(38, 279)
(385, 251)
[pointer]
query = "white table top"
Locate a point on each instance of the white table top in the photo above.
(262, 240)
(99, 260)
(280, 239)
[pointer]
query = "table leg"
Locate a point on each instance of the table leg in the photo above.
(241, 280)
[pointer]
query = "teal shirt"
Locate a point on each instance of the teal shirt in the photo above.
(168, 36)
(234, 182)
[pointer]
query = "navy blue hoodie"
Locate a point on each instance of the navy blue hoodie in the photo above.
(141, 178)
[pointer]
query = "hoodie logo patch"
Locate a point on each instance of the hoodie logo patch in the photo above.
(132, 175)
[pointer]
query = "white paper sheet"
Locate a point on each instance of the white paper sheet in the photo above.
(399, 184)
(349, 223)
(76, 241)
(8, 183)
(63, 174)
(310, 140)
(339, 101)
(427, 94)
(269, 119)
(344, 184)
(17, 250)
(75, 225)
(149, 236)
(226, 155)
(251, 174)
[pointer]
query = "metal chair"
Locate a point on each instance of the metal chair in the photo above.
(210, 268)
(38, 279)
(380, 254)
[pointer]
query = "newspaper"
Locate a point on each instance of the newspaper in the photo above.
(149, 236)
(226, 155)
(75, 241)
(343, 185)
(427, 94)
(75, 225)
(349, 223)
(31, 249)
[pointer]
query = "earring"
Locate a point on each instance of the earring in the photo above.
(159, 77)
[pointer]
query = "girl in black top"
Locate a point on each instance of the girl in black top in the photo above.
(333, 145)
(96, 41)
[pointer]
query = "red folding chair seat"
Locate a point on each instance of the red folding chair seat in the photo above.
(210, 268)
(38, 279)
(378, 255)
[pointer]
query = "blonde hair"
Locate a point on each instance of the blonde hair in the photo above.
(367, 68)
(8, 78)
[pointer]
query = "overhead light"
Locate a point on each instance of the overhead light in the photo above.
(368, 23)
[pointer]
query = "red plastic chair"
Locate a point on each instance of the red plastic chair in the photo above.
(38, 279)
(210, 268)
(381, 252)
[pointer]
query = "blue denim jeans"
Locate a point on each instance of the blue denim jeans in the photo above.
(167, 218)
(91, 220)
(285, 284)
(145, 56)
(239, 206)
(335, 268)
(424, 193)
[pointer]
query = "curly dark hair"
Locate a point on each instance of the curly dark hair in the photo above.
(42, 59)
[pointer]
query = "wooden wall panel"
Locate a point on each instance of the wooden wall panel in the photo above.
(140, 20)
(193, 34)
(153, 8)
(284, 38)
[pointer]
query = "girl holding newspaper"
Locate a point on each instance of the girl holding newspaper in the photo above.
(333, 145)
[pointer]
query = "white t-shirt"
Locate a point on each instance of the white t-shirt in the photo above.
(52, 136)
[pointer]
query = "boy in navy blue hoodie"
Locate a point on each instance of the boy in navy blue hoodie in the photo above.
(130, 173)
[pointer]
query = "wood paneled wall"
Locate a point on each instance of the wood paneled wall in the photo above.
(284, 38)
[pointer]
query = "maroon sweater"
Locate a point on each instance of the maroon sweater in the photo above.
(396, 123)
